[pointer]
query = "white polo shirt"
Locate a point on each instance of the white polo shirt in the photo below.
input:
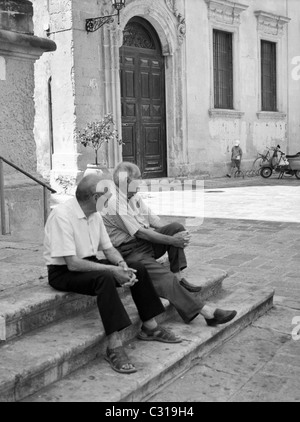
(68, 232)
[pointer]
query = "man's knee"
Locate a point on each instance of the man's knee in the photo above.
(138, 266)
(104, 279)
(177, 227)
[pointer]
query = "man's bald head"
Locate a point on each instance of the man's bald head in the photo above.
(87, 187)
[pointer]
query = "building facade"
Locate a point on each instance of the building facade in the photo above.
(183, 78)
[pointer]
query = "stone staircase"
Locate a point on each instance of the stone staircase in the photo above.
(53, 343)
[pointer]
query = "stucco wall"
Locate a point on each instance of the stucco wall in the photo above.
(54, 20)
(89, 67)
(42, 69)
(19, 49)
(212, 135)
(17, 114)
(294, 77)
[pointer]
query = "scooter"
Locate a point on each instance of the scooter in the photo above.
(288, 165)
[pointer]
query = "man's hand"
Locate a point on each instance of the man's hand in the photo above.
(182, 239)
(125, 276)
(123, 265)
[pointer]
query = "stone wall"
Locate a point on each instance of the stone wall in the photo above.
(16, 16)
(17, 113)
(293, 10)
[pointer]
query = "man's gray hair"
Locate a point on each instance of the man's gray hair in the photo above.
(126, 168)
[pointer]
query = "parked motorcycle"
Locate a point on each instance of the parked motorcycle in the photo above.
(288, 165)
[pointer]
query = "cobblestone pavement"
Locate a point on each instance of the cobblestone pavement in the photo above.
(262, 363)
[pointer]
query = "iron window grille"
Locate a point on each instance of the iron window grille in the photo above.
(268, 76)
(223, 69)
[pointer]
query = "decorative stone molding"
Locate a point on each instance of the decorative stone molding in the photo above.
(271, 115)
(225, 114)
(23, 46)
(181, 28)
(224, 11)
(270, 24)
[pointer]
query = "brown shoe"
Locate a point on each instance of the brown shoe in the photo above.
(220, 317)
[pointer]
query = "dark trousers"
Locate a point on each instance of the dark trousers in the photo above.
(166, 284)
(103, 285)
(177, 257)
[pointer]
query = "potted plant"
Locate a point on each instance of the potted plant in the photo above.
(95, 135)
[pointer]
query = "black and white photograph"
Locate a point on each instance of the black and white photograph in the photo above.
(149, 204)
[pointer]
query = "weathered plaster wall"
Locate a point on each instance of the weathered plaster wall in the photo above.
(17, 114)
(16, 16)
(16, 86)
(42, 69)
(90, 69)
(211, 134)
(293, 11)
(54, 19)
(19, 49)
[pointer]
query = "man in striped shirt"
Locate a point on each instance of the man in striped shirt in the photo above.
(139, 235)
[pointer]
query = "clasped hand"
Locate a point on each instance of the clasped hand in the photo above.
(182, 239)
(125, 276)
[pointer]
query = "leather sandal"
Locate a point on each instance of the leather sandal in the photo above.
(117, 359)
(158, 334)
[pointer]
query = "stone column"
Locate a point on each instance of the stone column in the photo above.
(19, 49)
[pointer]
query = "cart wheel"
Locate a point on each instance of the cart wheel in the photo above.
(297, 174)
(256, 166)
(266, 172)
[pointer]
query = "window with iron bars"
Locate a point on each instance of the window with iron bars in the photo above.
(268, 76)
(223, 69)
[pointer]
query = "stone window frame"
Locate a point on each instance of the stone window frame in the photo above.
(224, 15)
(272, 27)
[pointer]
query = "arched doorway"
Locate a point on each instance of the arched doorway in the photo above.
(142, 77)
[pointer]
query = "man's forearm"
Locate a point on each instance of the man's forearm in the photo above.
(83, 265)
(154, 237)
(113, 256)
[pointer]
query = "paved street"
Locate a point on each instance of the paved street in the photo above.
(255, 236)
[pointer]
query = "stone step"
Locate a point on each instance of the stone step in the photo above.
(46, 355)
(157, 363)
(29, 307)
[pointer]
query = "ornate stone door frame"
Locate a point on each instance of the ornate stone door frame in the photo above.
(170, 27)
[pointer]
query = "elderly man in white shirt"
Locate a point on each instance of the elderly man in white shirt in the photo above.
(74, 234)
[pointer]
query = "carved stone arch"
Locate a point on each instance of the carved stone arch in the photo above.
(160, 18)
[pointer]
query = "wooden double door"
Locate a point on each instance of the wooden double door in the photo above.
(143, 99)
